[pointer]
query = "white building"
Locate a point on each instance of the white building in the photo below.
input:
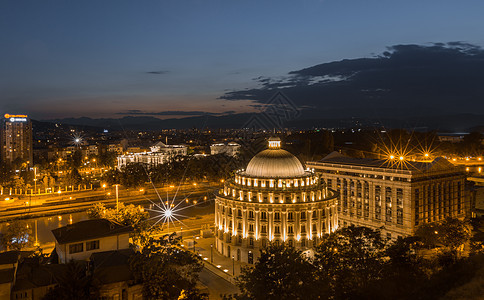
(79, 240)
(172, 150)
(273, 201)
(160, 154)
(230, 149)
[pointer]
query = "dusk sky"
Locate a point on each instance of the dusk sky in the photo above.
(101, 58)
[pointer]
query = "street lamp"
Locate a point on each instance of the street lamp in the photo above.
(35, 179)
(211, 253)
(117, 199)
(233, 265)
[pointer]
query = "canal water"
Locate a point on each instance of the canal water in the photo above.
(42, 227)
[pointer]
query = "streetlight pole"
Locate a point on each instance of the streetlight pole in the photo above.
(233, 265)
(211, 253)
(35, 179)
(117, 199)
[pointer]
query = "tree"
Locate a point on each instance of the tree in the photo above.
(107, 159)
(134, 175)
(74, 284)
(112, 177)
(166, 270)
(73, 178)
(450, 233)
(453, 233)
(6, 174)
(75, 160)
(350, 260)
(18, 183)
(403, 273)
(160, 173)
(129, 215)
(280, 273)
(17, 236)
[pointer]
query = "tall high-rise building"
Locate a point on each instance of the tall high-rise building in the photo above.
(16, 140)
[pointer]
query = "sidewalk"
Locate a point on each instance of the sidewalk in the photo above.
(223, 266)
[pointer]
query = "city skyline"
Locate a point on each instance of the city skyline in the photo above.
(169, 59)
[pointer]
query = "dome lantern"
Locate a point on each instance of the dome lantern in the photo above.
(275, 163)
(274, 143)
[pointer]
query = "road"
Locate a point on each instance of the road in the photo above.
(81, 202)
(216, 285)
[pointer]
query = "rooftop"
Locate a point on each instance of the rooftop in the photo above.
(275, 162)
(88, 230)
(437, 164)
(9, 257)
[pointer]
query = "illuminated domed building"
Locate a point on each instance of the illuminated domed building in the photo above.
(274, 200)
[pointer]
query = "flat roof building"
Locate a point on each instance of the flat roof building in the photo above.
(394, 195)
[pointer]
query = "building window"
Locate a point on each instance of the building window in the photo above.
(277, 216)
(251, 227)
(92, 245)
(277, 230)
(263, 229)
(76, 248)
(251, 214)
(417, 206)
(263, 215)
(251, 242)
(290, 229)
(303, 215)
(303, 228)
(289, 216)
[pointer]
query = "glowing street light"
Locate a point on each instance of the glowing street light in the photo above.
(168, 213)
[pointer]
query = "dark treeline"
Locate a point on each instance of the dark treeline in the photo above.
(358, 263)
(179, 170)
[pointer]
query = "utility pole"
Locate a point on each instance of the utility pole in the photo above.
(117, 199)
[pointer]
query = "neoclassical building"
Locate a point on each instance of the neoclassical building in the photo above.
(274, 200)
(394, 198)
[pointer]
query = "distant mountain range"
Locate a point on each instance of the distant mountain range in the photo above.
(441, 123)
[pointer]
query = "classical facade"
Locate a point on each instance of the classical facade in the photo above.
(230, 149)
(394, 196)
(274, 200)
(160, 154)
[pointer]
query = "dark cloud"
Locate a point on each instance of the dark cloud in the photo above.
(167, 113)
(157, 72)
(403, 80)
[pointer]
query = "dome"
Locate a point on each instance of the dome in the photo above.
(274, 162)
